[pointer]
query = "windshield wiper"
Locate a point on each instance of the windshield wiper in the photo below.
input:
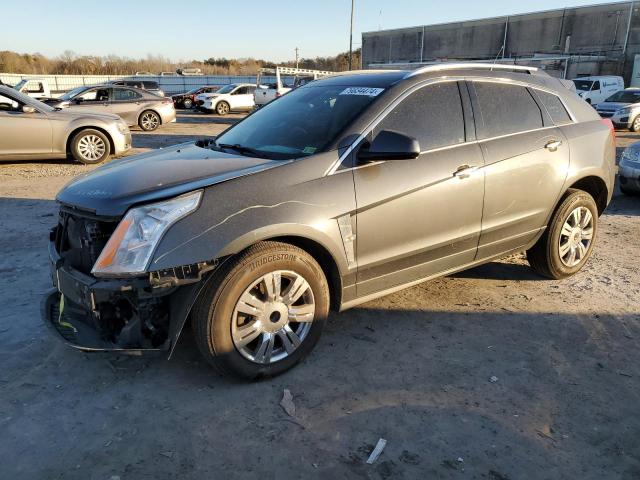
(242, 150)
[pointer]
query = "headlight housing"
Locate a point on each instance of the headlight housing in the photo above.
(622, 111)
(123, 128)
(131, 246)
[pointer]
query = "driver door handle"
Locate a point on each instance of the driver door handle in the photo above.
(464, 171)
(553, 145)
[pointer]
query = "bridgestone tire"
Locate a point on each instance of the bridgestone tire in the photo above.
(212, 315)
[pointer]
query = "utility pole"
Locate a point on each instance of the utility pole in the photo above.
(297, 56)
(351, 38)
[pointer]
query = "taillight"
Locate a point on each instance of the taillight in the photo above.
(167, 101)
(609, 123)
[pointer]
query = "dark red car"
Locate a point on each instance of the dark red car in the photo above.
(186, 100)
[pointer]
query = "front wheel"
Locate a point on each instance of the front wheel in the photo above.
(222, 108)
(635, 125)
(90, 146)
(149, 121)
(262, 312)
(187, 103)
(568, 241)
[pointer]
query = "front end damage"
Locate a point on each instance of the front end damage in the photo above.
(124, 315)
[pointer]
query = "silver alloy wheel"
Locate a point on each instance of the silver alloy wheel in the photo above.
(222, 108)
(187, 103)
(636, 124)
(576, 236)
(272, 317)
(150, 121)
(91, 147)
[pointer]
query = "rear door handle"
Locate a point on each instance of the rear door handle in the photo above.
(553, 145)
(464, 171)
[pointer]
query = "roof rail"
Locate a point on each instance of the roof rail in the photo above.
(471, 66)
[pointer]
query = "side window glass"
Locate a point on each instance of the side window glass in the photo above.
(554, 107)
(422, 116)
(8, 104)
(506, 109)
(241, 91)
(596, 85)
(88, 96)
(125, 95)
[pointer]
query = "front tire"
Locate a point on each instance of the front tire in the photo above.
(187, 103)
(149, 120)
(222, 108)
(568, 241)
(90, 146)
(262, 312)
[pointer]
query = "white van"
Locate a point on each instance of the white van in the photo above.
(597, 89)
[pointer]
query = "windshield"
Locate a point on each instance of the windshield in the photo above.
(625, 96)
(227, 88)
(300, 123)
(72, 93)
(584, 85)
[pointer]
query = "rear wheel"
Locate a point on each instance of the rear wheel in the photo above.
(149, 120)
(262, 312)
(568, 241)
(635, 125)
(187, 103)
(90, 146)
(222, 108)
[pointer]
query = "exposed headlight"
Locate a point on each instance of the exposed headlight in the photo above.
(129, 250)
(622, 111)
(123, 128)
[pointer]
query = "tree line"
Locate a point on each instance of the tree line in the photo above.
(70, 63)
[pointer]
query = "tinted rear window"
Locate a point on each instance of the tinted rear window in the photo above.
(506, 109)
(432, 115)
(554, 107)
(151, 85)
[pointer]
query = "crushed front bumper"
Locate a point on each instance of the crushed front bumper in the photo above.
(129, 316)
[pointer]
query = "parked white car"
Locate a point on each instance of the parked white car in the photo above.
(232, 97)
(597, 89)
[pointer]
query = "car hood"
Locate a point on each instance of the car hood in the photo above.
(112, 189)
(613, 106)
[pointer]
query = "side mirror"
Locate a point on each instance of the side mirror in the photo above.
(390, 145)
(64, 104)
(28, 109)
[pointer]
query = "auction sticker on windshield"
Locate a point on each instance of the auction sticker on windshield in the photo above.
(368, 91)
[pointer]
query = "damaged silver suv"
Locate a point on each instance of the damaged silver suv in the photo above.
(346, 189)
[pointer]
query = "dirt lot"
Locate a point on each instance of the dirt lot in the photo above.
(414, 368)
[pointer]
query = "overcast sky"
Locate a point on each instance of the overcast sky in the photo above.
(198, 29)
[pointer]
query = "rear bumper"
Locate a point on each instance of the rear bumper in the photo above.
(122, 143)
(167, 114)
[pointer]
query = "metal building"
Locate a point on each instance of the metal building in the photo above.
(570, 42)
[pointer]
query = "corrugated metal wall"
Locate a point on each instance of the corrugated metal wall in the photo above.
(169, 84)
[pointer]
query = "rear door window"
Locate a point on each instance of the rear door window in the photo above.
(554, 107)
(505, 109)
(150, 85)
(125, 95)
(431, 115)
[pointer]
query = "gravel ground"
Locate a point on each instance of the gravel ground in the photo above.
(493, 373)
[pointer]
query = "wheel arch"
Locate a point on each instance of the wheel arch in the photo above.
(75, 131)
(594, 186)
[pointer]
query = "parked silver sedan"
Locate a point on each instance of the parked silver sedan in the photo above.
(30, 129)
(133, 105)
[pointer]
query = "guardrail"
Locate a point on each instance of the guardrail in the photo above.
(170, 84)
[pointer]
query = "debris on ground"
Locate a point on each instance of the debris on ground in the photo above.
(287, 403)
(493, 379)
(377, 451)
